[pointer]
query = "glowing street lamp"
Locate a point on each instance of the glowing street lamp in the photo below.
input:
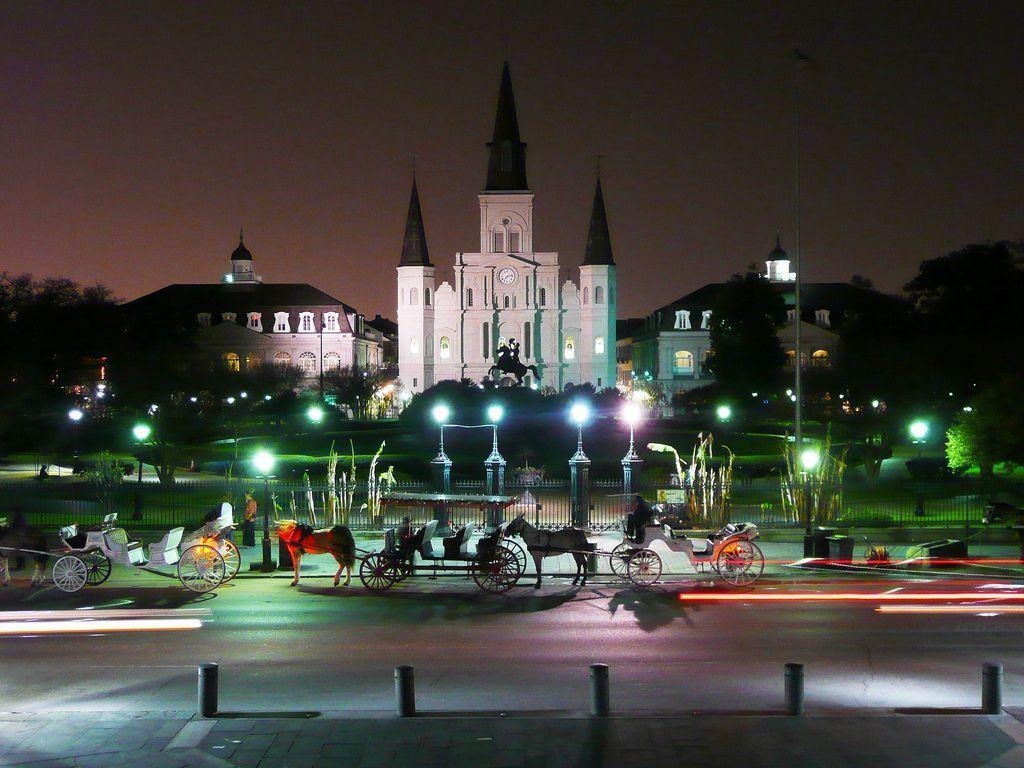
(315, 414)
(263, 461)
(141, 433)
(495, 463)
(441, 464)
(631, 462)
(723, 412)
(75, 415)
(919, 430)
(579, 469)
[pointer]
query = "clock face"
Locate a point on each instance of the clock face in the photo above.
(506, 275)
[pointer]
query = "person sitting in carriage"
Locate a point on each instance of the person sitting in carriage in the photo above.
(404, 532)
(641, 516)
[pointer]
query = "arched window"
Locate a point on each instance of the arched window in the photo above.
(307, 362)
(414, 297)
(469, 297)
(790, 358)
(598, 294)
(282, 359)
(253, 361)
(682, 363)
(569, 348)
(543, 297)
(507, 302)
(426, 297)
(586, 295)
(819, 358)
(231, 362)
(444, 347)
(414, 346)
(332, 361)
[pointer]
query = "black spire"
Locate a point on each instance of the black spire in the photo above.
(506, 166)
(414, 247)
(777, 252)
(241, 253)
(599, 242)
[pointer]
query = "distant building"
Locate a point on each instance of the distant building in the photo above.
(246, 324)
(506, 290)
(673, 345)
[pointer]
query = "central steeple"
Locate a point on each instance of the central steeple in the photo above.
(506, 165)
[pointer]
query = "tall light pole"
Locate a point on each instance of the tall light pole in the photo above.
(75, 415)
(579, 469)
(802, 62)
(141, 433)
(631, 461)
(264, 461)
(495, 463)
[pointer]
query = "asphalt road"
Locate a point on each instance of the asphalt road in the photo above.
(317, 648)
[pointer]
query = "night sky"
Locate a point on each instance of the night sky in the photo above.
(136, 138)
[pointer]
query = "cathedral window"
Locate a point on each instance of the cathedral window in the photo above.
(498, 242)
(332, 361)
(307, 362)
(281, 322)
(570, 348)
(414, 346)
(507, 302)
(543, 297)
(255, 322)
(414, 297)
(203, 318)
(227, 317)
(444, 347)
(599, 345)
(282, 359)
(306, 322)
(586, 295)
(682, 322)
(231, 362)
(682, 363)
(486, 340)
(598, 294)
(331, 322)
(426, 297)
(469, 297)
(514, 243)
(527, 340)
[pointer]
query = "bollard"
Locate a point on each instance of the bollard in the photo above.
(405, 692)
(207, 694)
(794, 689)
(991, 688)
(599, 700)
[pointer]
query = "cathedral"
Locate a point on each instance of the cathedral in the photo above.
(505, 302)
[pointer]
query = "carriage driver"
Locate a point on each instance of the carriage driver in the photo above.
(641, 516)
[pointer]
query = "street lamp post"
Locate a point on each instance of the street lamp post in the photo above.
(141, 433)
(809, 460)
(441, 465)
(579, 470)
(75, 415)
(631, 462)
(264, 462)
(495, 463)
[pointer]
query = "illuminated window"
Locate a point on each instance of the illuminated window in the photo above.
(231, 362)
(307, 362)
(255, 322)
(305, 322)
(445, 347)
(598, 295)
(790, 358)
(227, 317)
(682, 363)
(570, 348)
(599, 345)
(281, 322)
(331, 322)
(819, 358)
(282, 359)
(414, 346)
(332, 361)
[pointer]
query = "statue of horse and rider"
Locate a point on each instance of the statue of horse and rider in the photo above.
(508, 363)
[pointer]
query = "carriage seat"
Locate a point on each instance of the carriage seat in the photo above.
(426, 546)
(123, 550)
(456, 547)
(165, 551)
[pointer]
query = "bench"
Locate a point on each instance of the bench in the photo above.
(165, 551)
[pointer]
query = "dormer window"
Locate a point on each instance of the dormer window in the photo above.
(822, 317)
(331, 322)
(227, 317)
(705, 319)
(306, 322)
(682, 322)
(203, 319)
(281, 323)
(255, 322)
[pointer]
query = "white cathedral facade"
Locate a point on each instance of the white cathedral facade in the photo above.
(507, 290)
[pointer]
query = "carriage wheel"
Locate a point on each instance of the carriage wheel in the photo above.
(378, 573)
(644, 567)
(97, 566)
(519, 552)
(498, 572)
(619, 559)
(201, 568)
(740, 562)
(70, 573)
(402, 567)
(232, 559)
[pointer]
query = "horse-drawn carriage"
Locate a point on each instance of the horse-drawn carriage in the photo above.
(493, 562)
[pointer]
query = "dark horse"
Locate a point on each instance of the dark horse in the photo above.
(543, 544)
(302, 539)
(22, 538)
(507, 364)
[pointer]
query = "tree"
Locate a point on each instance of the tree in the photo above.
(991, 431)
(745, 351)
(353, 387)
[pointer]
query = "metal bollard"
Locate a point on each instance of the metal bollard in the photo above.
(794, 689)
(599, 699)
(206, 702)
(405, 692)
(991, 688)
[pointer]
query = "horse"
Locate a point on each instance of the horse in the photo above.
(543, 544)
(23, 538)
(302, 539)
(509, 364)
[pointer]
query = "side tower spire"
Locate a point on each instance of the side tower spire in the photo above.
(599, 242)
(506, 165)
(414, 246)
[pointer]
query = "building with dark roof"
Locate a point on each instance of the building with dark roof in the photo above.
(246, 324)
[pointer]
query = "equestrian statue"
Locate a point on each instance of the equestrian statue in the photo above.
(508, 363)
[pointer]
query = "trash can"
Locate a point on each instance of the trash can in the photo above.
(816, 542)
(840, 548)
(284, 557)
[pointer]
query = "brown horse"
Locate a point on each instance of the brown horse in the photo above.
(303, 539)
(25, 538)
(543, 544)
